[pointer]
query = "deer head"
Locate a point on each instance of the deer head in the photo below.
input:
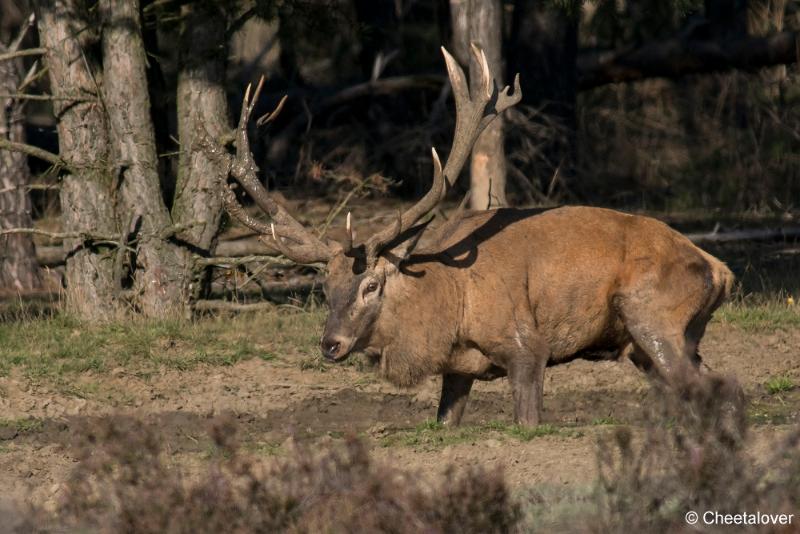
(355, 286)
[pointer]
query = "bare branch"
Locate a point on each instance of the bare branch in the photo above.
(23, 31)
(681, 56)
(86, 236)
(47, 98)
(23, 53)
(228, 261)
(36, 152)
(745, 235)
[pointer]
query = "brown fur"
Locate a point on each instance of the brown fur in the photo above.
(511, 291)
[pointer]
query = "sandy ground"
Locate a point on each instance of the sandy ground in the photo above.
(275, 401)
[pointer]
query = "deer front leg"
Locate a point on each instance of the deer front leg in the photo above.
(526, 376)
(455, 390)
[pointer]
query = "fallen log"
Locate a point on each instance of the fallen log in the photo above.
(764, 234)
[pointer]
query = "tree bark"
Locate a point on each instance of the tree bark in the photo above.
(19, 270)
(160, 278)
(488, 164)
(86, 200)
(459, 23)
(202, 113)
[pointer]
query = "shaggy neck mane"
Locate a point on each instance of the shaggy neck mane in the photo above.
(418, 324)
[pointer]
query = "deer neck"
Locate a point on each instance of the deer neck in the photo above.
(418, 324)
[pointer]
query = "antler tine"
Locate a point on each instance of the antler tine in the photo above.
(272, 115)
(473, 113)
(305, 246)
(349, 235)
(410, 216)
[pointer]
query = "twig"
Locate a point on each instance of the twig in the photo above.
(30, 187)
(36, 152)
(23, 31)
(47, 98)
(32, 76)
(338, 209)
(227, 261)
(87, 236)
(23, 53)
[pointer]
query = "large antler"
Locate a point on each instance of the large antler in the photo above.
(473, 114)
(287, 235)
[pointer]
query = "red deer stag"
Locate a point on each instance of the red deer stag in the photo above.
(501, 292)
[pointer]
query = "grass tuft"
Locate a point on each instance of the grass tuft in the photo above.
(779, 384)
(432, 435)
(767, 315)
(55, 347)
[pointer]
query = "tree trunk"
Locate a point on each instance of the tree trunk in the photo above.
(481, 22)
(19, 270)
(86, 200)
(459, 22)
(543, 49)
(488, 165)
(202, 111)
(160, 278)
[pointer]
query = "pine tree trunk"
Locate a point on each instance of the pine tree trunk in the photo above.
(19, 270)
(488, 164)
(481, 22)
(161, 282)
(86, 200)
(202, 112)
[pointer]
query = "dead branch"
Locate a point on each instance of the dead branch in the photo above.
(47, 98)
(681, 56)
(86, 236)
(228, 262)
(22, 53)
(765, 234)
(36, 152)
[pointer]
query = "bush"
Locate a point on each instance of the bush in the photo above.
(122, 484)
(692, 458)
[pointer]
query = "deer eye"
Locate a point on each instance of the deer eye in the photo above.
(372, 286)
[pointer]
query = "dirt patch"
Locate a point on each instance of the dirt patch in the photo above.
(274, 401)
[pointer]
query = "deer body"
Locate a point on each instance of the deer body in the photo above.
(503, 292)
(511, 291)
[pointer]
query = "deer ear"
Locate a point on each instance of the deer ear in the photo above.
(402, 246)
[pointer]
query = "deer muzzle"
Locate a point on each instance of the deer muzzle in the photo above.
(335, 348)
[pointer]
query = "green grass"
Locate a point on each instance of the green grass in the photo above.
(779, 384)
(606, 421)
(432, 435)
(59, 346)
(768, 315)
(24, 425)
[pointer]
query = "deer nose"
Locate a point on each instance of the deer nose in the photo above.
(330, 348)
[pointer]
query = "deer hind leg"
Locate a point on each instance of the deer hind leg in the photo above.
(661, 347)
(455, 391)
